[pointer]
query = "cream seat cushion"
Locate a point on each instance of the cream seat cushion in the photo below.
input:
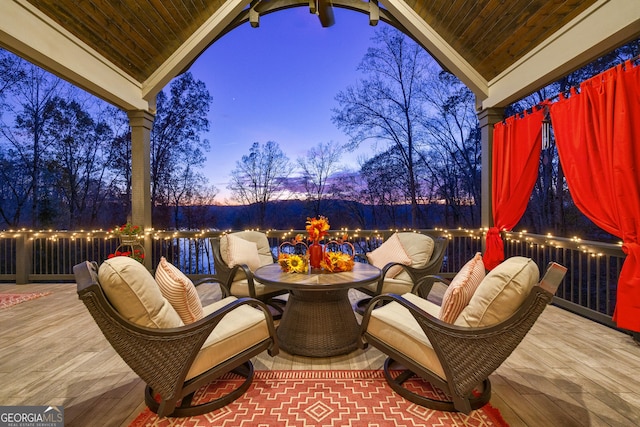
(500, 293)
(392, 286)
(394, 325)
(238, 330)
(241, 288)
(135, 294)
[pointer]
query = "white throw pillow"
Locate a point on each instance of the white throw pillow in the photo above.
(390, 251)
(179, 290)
(133, 292)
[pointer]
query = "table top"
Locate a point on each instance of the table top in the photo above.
(361, 274)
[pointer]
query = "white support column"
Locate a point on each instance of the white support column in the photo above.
(141, 122)
(487, 118)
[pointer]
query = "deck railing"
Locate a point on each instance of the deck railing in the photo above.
(589, 288)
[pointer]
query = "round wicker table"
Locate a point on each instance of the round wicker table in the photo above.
(318, 320)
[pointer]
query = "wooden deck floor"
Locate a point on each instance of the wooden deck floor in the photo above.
(568, 371)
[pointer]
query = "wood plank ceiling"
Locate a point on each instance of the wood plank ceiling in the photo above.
(138, 36)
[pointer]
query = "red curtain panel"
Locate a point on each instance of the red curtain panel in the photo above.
(598, 138)
(516, 156)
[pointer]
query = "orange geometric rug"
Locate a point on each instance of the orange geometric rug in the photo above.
(321, 398)
(7, 300)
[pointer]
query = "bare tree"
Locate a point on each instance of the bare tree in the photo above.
(188, 189)
(175, 137)
(320, 163)
(453, 157)
(196, 208)
(79, 158)
(386, 106)
(351, 188)
(25, 141)
(386, 186)
(258, 177)
(11, 71)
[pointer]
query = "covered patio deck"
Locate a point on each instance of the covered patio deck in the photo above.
(568, 371)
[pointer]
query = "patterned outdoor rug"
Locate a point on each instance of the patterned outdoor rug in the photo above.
(7, 300)
(323, 398)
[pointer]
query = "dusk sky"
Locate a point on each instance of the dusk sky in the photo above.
(278, 82)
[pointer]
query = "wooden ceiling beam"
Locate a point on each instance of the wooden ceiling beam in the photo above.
(374, 12)
(325, 13)
(29, 33)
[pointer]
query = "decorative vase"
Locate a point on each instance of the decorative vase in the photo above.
(316, 252)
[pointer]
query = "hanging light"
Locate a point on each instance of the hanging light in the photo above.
(546, 130)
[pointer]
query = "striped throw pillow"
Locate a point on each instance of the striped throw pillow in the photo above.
(179, 290)
(390, 251)
(461, 289)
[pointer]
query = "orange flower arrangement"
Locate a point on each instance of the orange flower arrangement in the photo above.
(293, 262)
(335, 262)
(317, 228)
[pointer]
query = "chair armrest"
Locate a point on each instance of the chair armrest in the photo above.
(383, 275)
(553, 277)
(223, 288)
(423, 287)
(388, 267)
(248, 274)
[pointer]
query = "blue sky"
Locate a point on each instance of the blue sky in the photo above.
(278, 82)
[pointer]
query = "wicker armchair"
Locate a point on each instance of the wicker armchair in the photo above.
(412, 278)
(239, 278)
(454, 358)
(175, 362)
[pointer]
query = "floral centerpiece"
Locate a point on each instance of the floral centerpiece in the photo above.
(295, 256)
(294, 261)
(336, 261)
(317, 228)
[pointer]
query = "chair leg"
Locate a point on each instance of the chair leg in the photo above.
(475, 401)
(186, 409)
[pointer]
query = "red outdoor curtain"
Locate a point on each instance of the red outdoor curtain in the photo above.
(598, 138)
(516, 156)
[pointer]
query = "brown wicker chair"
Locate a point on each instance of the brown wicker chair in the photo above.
(163, 357)
(414, 278)
(239, 278)
(453, 358)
